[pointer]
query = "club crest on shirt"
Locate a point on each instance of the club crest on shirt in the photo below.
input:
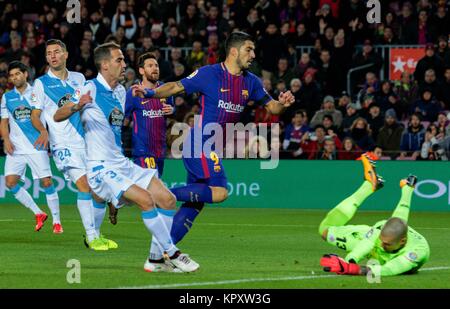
(77, 94)
(245, 93)
(192, 74)
(64, 100)
(116, 119)
(412, 256)
(22, 113)
(33, 98)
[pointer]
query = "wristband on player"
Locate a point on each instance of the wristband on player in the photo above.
(74, 108)
(149, 93)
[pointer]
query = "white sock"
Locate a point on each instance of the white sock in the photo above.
(25, 199)
(53, 203)
(167, 216)
(84, 204)
(99, 214)
(155, 224)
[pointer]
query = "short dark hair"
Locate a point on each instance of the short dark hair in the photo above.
(103, 52)
(17, 65)
(56, 42)
(236, 39)
(143, 57)
(329, 117)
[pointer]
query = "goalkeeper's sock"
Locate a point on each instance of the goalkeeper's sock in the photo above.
(346, 209)
(183, 220)
(25, 199)
(402, 209)
(99, 214)
(53, 203)
(194, 192)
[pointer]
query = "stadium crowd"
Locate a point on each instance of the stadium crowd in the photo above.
(406, 119)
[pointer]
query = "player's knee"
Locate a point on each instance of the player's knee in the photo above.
(145, 202)
(219, 195)
(82, 184)
(10, 183)
(46, 182)
(169, 201)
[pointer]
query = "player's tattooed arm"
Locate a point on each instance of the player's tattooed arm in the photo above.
(70, 108)
(164, 91)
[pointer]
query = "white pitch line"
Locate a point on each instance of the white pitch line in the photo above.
(224, 282)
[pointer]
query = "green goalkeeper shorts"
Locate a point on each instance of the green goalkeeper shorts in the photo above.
(346, 237)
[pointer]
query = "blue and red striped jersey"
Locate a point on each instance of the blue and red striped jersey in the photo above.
(149, 125)
(223, 96)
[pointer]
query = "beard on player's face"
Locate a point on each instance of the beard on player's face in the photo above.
(152, 77)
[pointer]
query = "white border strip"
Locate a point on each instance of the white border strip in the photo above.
(225, 282)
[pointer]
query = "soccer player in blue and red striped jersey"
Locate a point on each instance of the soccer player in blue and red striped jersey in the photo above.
(148, 117)
(225, 89)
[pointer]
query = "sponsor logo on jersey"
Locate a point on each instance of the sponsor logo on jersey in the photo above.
(22, 113)
(369, 233)
(153, 113)
(230, 107)
(116, 119)
(192, 74)
(64, 100)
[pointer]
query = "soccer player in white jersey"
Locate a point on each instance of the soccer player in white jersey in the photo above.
(50, 92)
(111, 175)
(19, 138)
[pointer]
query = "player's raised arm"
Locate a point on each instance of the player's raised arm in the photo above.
(164, 91)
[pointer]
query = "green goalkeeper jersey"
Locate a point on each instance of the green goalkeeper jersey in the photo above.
(408, 259)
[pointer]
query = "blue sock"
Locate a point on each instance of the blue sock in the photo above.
(183, 220)
(195, 192)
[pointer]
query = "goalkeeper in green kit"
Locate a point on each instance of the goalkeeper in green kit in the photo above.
(397, 247)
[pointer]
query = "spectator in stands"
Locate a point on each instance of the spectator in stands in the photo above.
(374, 119)
(312, 143)
(327, 72)
(343, 101)
(387, 37)
(310, 93)
(441, 21)
(367, 56)
(302, 36)
(283, 72)
(120, 38)
(386, 98)
(293, 134)
(328, 108)
(351, 114)
(98, 28)
(429, 61)
(427, 106)
(174, 37)
(426, 152)
(157, 35)
(214, 23)
(443, 125)
(371, 87)
(350, 151)
(212, 53)
(124, 17)
(85, 63)
(443, 51)
(446, 90)
(147, 45)
(408, 25)
(328, 151)
(390, 134)
(407, 91)
(442, 149)
(360, 133)
(14, 52)
(196, 57)
(268, 55)
(303, 64)
(253, 24)
(412, 138)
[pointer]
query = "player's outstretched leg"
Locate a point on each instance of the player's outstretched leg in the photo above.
(407, 186)
(184, 219)
(26, 200)
(158, 224)
(52, 203)
(346, 209)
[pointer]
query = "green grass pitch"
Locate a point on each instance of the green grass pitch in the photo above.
(236, 248)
